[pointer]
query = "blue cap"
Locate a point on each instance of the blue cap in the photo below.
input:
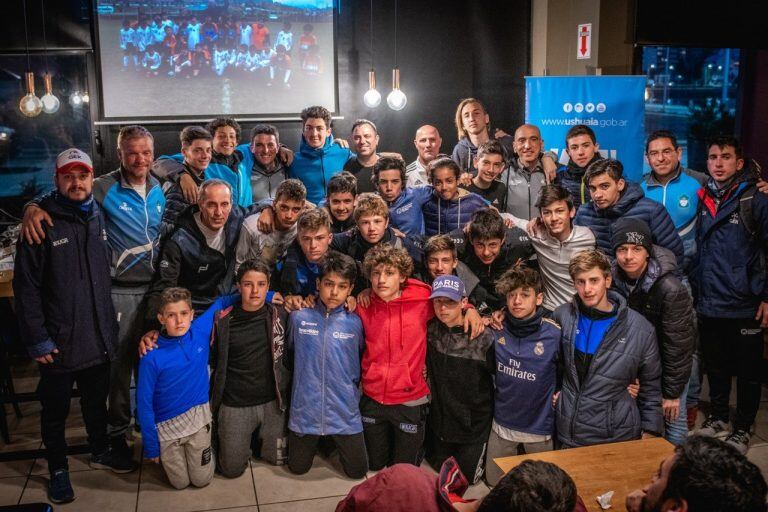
(448, 286)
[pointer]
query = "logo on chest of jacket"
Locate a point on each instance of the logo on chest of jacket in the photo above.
(304, 322)
(164, 264)
(404, 208)
(342, 335)
(683, 202)
(310, 332)
(622, 340)
(734, 219)
(409, 428)
(61, 241)
(202, 268)
(539, 348)
(501, 341)
(125, 207)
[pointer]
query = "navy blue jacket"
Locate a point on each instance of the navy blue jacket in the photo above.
(187, 261)
(294, 275)
(441, 216)
(599, 409)
(571, 178)
(526, 377)
(62, 290)
(631, 204)
(729, 273)
(327, 346)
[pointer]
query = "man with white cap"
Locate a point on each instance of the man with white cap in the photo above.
(453, 360)
(65, 312)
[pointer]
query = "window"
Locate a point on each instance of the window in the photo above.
(692, 92)
(28, 146)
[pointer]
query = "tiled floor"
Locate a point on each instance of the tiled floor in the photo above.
(261, 488)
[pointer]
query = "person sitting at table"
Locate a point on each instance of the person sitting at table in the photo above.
(605, 346)
(533, 486)
(703, 474)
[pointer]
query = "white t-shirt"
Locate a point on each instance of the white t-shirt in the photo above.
(214, 238)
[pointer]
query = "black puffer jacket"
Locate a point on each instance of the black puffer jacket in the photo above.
(663, 300)
(599, 409)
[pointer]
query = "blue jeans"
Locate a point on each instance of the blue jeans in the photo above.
(676, 431)
(694, 383)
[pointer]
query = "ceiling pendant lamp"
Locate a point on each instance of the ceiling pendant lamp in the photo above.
(30, 105)
(396, 100)
(372, 97)
(51, 103)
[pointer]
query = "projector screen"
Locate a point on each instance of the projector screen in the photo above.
(176, 59)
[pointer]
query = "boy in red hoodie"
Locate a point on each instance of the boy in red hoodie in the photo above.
(395, 391)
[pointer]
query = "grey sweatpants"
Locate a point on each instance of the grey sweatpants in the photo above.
(235, 428)
(499, 447)
(129, 308)
(189, 460)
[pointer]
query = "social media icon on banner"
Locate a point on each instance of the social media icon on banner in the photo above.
(567, 107)
(589, 107)
(600, 107)
(578, 107)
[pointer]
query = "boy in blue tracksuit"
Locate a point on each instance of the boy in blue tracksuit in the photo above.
(404, 203)
(327, 341)
(527, 360)
(172, 393)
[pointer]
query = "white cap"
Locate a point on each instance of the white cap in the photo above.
(71, 158)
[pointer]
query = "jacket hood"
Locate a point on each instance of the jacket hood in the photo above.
(465, 143)
(310, 152)
(463, 193)
(661, 263)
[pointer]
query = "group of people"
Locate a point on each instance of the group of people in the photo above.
(459, 309)
(189, 46)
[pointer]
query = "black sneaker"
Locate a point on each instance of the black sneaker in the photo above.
(111, 459)
(119, 445)
(60, 488)
(739, 439)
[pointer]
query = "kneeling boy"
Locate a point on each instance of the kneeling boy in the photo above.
(327, 341)
(172, 394)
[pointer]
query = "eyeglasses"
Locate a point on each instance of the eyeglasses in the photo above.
(666, 153)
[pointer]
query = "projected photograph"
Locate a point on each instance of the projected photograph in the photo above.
(176, 58)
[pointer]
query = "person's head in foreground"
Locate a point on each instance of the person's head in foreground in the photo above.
(487, 233)
(725, 158)
(340, 195)
(523, 289)
(74, 175)
(371, 217)
(704, 474)
(338, 273)
(313, 232)
(289, 203)
(449, 297)
(215, 202)
(387, 268)
(591, 274)
(440, 256)
(176, 313)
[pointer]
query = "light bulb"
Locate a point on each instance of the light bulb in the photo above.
(30, 105)
(75, 99)
(86, 98)
(396, 99)
(372, 98)
(51, 103)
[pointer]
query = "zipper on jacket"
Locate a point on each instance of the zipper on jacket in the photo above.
(322, 371)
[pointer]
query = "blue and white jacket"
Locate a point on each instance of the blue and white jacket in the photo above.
(173, 378)
(405, 211)
(680, 197)
(238, 178)
(328, 346)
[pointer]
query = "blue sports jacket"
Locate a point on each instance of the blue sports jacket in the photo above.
(729, 277)
(315, 167)
(327, 346)
(405, 211)
(681, 199)
(239, 179)
(173, 378)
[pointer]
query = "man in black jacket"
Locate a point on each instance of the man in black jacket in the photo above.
(644, 274)
(67, 320)
(200, 253)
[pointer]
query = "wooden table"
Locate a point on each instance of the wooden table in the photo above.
(618, 467)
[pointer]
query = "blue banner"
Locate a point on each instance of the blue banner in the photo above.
(613, 106)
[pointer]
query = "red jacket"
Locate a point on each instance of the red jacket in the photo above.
(396, 345)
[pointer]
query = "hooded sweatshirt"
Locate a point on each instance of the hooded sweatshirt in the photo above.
(315, 167)
(396, 345)
(444, 216)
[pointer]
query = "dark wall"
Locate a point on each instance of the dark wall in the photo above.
(447, 50)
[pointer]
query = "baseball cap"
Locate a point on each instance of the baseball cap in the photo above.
(448, 286)
(73, 158)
